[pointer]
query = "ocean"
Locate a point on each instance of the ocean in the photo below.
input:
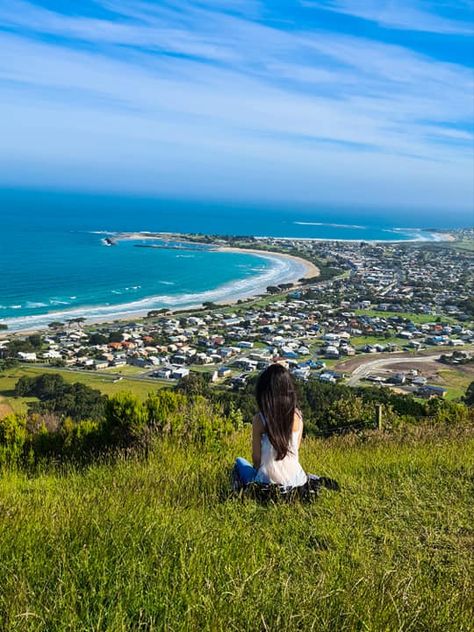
(53, 264)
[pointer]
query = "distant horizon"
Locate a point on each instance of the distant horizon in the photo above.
(441, 217)
(330, 102)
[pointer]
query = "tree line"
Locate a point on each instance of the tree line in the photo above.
(75, 421)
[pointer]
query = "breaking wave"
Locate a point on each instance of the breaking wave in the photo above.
(281, 270)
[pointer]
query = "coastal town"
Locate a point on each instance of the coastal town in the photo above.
(398, 315)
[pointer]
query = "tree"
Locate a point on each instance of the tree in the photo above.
(56, 396)
(56, 324)
(125, 419)
(36, 341)
(194, 384)
(98, 339)
(469, 396)
(8, 363)
(47, 386)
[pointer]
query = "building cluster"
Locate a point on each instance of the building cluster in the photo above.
(371, 306)
(423, 278)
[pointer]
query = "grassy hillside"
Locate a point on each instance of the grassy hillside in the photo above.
(159, 545)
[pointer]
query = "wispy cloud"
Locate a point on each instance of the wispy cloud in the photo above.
(221, 93)
(408, 15)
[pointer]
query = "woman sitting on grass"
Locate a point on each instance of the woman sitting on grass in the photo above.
(276, 434)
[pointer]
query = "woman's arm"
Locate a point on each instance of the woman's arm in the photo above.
(257, 431)
(301, 433)
(298, 425)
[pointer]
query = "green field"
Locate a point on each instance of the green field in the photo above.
(159, 545)
(416, 318)
(464, 244)
(104, 382)
(360, 341)
(455, 380)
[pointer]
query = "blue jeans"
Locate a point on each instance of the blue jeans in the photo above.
(244, 472)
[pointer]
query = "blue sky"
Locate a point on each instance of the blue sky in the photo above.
(338, 101)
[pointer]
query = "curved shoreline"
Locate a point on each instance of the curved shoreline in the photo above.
(310, 269)
(285, 269)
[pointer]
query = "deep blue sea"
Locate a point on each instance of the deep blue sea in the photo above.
(53, 264)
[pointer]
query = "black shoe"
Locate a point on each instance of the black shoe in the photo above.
(329, 483)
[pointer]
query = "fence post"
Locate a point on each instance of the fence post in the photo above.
(378, 416)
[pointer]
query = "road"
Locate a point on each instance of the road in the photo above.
(369, 367)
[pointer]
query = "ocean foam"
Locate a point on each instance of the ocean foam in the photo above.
(282, 270)
(330, 225)
(35, 305)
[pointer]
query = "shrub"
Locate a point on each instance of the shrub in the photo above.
(125, 419)
(12, 439)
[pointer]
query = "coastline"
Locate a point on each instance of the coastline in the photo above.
(436, 238)
(285, 269)
(311, 270)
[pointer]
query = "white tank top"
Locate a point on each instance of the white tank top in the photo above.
(288, 470)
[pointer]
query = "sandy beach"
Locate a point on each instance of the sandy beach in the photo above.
(311, 269)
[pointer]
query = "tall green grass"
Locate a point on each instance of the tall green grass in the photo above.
(160, 545)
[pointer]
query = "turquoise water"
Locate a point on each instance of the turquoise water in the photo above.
(53, 265)
(67, 274)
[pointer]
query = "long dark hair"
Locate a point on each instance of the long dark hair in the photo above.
(276, 399)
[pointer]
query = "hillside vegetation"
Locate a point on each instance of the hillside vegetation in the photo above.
(159, 543)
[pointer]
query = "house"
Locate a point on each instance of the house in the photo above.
(428, 391)
(331, 352)
(100, 365)
(246, 364)
(301, 372)
(164, 373)
(347, 350)
(289, 353)
(327, 377)
(51, 355)
(238, 381)
(27, 357)
(419, 381)
(179, 372)
(139, 362)
(118, 362)
(179, 359)
(437, 340)
(398, 378)
(245, 344)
